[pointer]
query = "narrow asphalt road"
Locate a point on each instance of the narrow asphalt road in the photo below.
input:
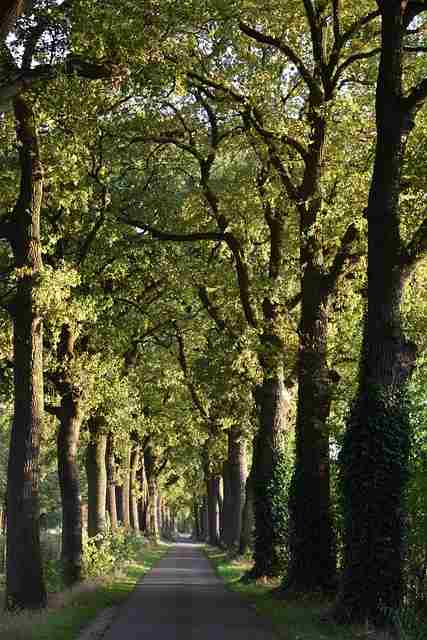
(182, 599)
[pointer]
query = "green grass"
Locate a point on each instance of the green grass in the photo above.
(293, 618)
(70, 611)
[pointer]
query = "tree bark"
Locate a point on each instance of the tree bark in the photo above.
(111, 483)
(226, 505)
(248, 519)
(96, 477)
(134, 489)
(196, 518)
(150, 470)
(269, 537)
(374, 458)
(237, 475)
(25, 587)
(212, 482)
(69, 482)
(204, 519)
(126, 491)
(142, 502)
(312, 542)
(119, 503)
(9, 11)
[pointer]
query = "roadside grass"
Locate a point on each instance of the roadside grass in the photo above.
(293, 618)
(69, 611)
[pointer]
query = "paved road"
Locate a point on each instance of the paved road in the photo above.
(182, 599)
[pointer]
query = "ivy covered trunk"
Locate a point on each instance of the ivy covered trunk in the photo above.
(111, 483)
(69, 483)
(237, 477)
(25, 587)
(312, 543)
(374, 458)
(134, 489)
(269, 494)
(96, 477)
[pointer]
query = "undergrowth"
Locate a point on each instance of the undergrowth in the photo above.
(108, 583)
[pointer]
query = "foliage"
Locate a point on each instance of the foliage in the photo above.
(104, 553)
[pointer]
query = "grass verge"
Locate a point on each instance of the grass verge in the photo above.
(70, 611)
(293, 618)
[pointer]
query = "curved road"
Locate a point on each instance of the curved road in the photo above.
(182, 599)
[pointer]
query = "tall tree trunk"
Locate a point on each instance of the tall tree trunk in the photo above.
(248, 519)
(69, 414)
(374, 457)
(269, 538)
(226, 505)
(96, 476)
(312, 543)
(220, 501)
(111, 483)
(142, 502)
(212, 482)
(119, 503)
(237, 474)
(153, 522)
(25, 587)
(126, 490)
(204, 519)
(134, 489)
(69, 483)
(159, 510)
(196, 518)
(150, 470)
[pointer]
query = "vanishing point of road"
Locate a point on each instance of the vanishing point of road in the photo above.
(183, 599)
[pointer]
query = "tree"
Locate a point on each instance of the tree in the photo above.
(374, 458)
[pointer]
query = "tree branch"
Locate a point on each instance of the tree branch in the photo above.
(210, 308)
(182, 358)
(416, 249)
(53, 410)
(74, 65)
(364, 55)
(341, 256)
(416, 97)
(272, 41)
(242, 278)
(357, 25)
